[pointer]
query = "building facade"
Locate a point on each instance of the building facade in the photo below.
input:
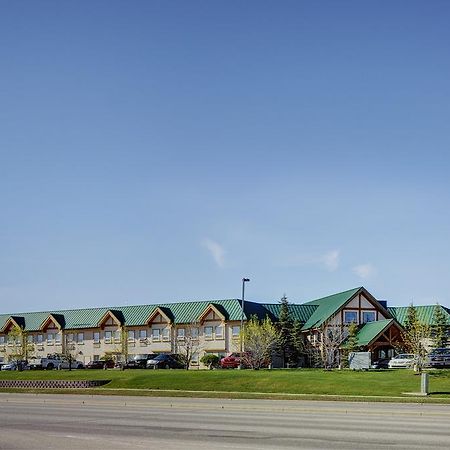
(203, 326)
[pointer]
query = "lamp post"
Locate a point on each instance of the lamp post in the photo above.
(244, 280)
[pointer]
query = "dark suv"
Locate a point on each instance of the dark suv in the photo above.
(140, 361)
(165, 361)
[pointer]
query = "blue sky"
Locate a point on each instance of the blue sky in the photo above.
(156, 151)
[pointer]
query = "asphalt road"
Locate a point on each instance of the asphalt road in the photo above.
(29, 421)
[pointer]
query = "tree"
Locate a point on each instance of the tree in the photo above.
(440, 327)
(285, 326)
(259, 341)
(415, 336)
(210, 359)
(332, 338)
(298, 343)
(189, 345)
(351, 344)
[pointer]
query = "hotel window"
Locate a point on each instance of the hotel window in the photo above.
(235, 331)
(80, 338)
(70, 337)
(208, 332)
(108, 337)
(156, 334)
(180, 333)
(219, 332)
(2, 340)
(194, 332)
(142, 335)
(58, 339)
(50, 338)
(368, 316)
(131, 336)
(96, 337)
(117, 336)
(40, 338)
(350, 317)
(194, 360)
(166, 334)
(30, 339)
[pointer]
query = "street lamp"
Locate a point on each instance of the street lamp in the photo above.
(244, 280)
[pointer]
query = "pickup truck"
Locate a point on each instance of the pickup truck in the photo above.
(54, 362)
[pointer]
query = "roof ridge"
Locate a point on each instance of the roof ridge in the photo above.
(333, 295)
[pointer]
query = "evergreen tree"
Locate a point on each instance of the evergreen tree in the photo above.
(297, 340)
(285, 327)
(440, 327)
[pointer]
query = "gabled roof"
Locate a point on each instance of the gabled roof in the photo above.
(163, 311)
(221, 312)
(57, 319)
(183, 312)
(115, 314)
(15, 321)
(425, 313)
(371, 330)
(327, 306)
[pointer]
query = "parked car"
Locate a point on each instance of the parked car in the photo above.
(402, 361)
(165, 361)
(140, 361)
(439, 357)
(100, 364)
(231, 361)
(382, 363)
(64, 364)
(15, 365)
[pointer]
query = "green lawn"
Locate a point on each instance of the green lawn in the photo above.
(303, 381)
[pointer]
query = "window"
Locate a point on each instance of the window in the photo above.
(219, 332)
(30, 339)
(40, 338)
(235, 331)
(142, 335)
(208, 332)
(50, 338)
(194, 332)
(156, 334)
(96, 337)
(166, 334)
(350, 316)
(58, 339)
(117, 336)
(97, 357)
(108, 337)
(2, 340)
(131, 336)
(368, 316)
(80, 338)
(69, 337)
(180, 333)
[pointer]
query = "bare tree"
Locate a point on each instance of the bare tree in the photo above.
(332, 337)
(187, 342)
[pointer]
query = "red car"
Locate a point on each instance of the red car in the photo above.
(231, 361)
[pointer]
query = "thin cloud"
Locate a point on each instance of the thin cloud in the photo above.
(330, 260)
(365, 271)
(216, 251)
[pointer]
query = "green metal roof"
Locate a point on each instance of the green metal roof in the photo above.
(371, 330)
(183, 312)
(298, 312)
(425, 313)
(327, 306)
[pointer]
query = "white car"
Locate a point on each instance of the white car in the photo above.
(402, 361)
